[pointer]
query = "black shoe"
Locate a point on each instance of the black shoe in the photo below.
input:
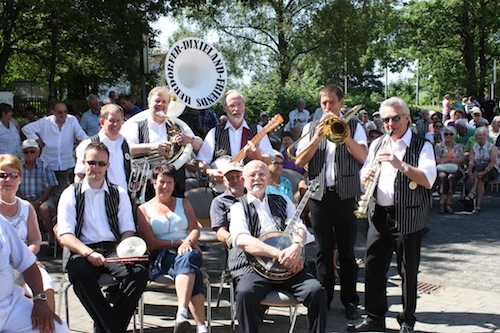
(351, 311)
(405, 328)
(182, 327)
(365, 326)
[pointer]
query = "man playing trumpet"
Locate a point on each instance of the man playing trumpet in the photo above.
(407, 173)
(336, 168)
(151, 135)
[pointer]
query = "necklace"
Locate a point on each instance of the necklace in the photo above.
(12, 203)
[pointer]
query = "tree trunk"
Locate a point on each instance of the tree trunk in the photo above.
(468, 52)
(482, 51)
(54, 30)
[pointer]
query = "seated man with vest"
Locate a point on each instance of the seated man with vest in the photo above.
(119, 153)
(231, 137)
(154, 134)
(94, 215)
(254, 216)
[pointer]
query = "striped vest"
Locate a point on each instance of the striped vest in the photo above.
(112, 202)
(222, 144)
(125, 152)
(412, 206)
(347, 179)
(238, 261)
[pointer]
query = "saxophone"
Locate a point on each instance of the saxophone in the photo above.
(367, 199)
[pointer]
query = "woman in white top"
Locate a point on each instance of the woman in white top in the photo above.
(169, 226)
(22, 216)
(495, 128)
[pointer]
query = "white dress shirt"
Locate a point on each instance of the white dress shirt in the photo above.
(385, 188)
(359, 137)
(10, 140)
(206, 152)
(297, 118)
(116, 171)
(59, 144)
(239, 226)
(157, 133)
(95, 227)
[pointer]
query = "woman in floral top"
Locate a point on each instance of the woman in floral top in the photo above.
(450, 158)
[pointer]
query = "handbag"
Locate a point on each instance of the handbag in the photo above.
(447, 167)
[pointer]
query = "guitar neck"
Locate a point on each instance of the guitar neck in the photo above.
(255, 140)
(300, 207)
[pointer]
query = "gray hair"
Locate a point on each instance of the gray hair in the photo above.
(461, 122)
(449, 129)
(397, 103)
(92, 97)
(224, 101)
(483, 129)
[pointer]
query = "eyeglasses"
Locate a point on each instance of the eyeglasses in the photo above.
(448, 134)
(12, 175)
(394, 119)
(29, 151)
(277, 163)
(99, 163)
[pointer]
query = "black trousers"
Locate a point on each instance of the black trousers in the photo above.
(84, 277)
(384, 239)
(252, 288)
(333, 219)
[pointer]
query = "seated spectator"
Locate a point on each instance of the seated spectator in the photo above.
(169, 226)
(435, 116)
(20, 314)
(277, 183)
(470, 105)
(494, 128)
(482, 166)
(372, 135)
(477, 118)
(473, 140)
(423, 123)
(454, 116)
(464, 132)
(22, 216)
(38, 185)
(450, 158)
(287, 141)
(437, 132)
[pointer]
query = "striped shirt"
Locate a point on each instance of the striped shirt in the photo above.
(36, 181)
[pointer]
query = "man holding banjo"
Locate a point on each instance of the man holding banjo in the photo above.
(255, 215)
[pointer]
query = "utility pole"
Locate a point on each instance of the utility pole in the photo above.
(417, 84)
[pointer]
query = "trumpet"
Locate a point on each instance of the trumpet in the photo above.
(335, 129)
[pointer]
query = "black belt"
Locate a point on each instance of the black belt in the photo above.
(331, 188)
(387, 208)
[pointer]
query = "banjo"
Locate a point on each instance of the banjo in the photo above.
(270, 268)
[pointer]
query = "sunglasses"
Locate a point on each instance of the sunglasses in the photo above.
(99, 163)
(29, 151)
(277, 163)
(448, 134)
(12, 175)
(394, 119)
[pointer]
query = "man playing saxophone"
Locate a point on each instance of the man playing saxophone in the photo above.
(336, 168)
(407, 173)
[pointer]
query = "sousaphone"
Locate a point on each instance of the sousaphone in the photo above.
(196, 73)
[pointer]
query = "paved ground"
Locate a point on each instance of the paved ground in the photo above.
(458, 293)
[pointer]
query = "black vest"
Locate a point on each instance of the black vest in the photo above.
(412, 206)
(222, 145)
(125, 152)
(347, 168)
(238, 261)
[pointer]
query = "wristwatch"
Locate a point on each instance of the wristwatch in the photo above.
(405, 168)
(40, 296)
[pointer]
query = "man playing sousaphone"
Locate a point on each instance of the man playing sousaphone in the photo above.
(151, 135)
(231, 137)
(255, 215)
